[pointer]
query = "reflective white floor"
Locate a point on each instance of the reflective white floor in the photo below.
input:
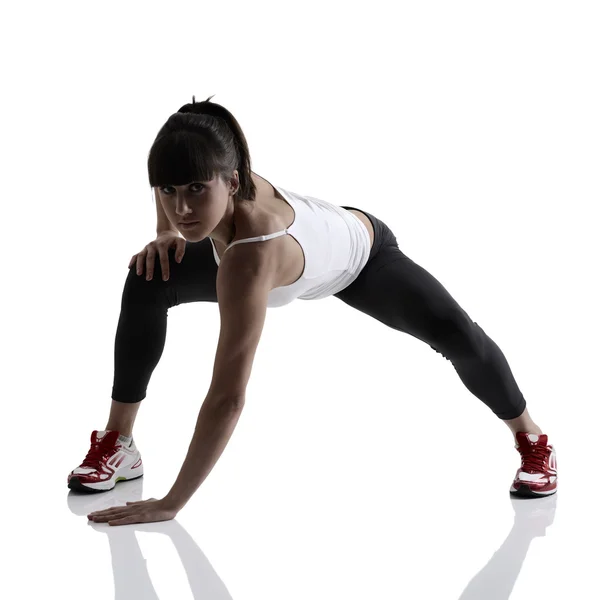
(422, 514)
(507, 571)
(502, 573)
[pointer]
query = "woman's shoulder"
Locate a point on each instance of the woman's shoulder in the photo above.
(267, 213)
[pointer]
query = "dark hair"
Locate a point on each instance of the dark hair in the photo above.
(198, 142)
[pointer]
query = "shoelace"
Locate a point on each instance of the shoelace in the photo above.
(535, 459)
(95, 456)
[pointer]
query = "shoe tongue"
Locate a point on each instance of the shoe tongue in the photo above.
(532, 439)
(105, 437)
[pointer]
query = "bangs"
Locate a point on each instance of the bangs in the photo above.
(179, 158)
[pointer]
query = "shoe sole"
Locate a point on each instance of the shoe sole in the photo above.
(525, 491)
(76, 485)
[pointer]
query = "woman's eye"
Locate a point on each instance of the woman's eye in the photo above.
(198, 186)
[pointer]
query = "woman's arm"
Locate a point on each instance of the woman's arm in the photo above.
(244, 279)
(214, 428)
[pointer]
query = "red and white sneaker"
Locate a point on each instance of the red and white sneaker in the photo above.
(537, 476)
(108, 461)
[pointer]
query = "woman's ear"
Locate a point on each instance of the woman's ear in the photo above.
(235, 182)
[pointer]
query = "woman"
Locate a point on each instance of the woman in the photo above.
(251, 245)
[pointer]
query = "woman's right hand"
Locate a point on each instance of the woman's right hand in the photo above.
(162, 243)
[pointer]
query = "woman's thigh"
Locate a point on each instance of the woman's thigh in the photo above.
(395, 290)
(194, 279)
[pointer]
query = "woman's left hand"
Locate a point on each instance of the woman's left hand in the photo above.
(144, 511)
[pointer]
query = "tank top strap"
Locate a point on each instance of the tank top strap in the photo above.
(258, 238)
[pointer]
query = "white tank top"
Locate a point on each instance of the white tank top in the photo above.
(336, 245)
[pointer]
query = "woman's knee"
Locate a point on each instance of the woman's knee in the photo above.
(457, 336)
(139, 290)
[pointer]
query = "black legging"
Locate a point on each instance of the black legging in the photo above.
(391, 288)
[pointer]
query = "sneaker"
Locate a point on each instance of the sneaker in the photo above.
(537, 475)
(108, 461)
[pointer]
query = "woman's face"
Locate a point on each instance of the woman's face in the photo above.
(209, 203)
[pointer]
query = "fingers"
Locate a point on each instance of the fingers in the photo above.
(117, 512)
(164, 263)
(105, 518)
(150, 258)
(110, 514)
(107, 511)
(179, 251)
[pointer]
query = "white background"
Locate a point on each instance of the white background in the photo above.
(361, 465)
